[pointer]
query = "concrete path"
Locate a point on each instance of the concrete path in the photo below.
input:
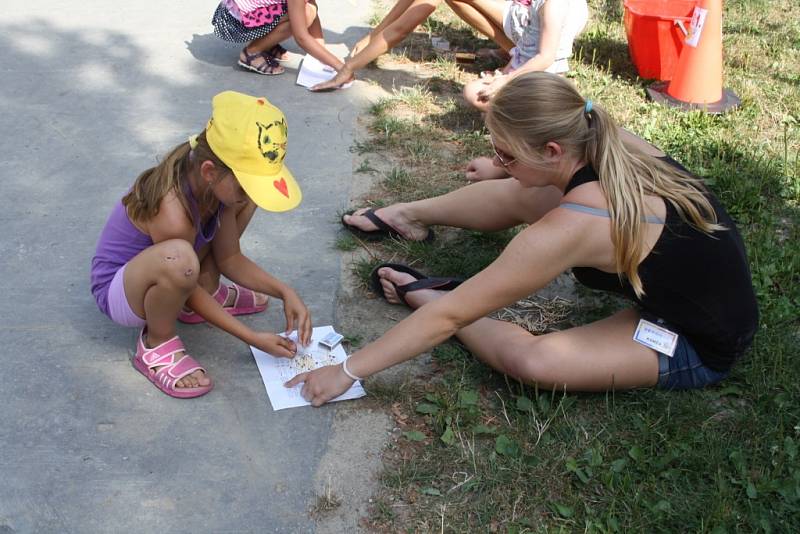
(93, 93)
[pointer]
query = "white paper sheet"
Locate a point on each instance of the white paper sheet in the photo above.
(276, 371)
(313, 71)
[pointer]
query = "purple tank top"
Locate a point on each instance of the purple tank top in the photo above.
(120, 241)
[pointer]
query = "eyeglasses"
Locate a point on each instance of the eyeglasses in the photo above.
(505, 159)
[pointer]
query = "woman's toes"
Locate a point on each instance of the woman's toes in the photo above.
(389, 291)
(261, 299)
(390, 279)
(358, 220)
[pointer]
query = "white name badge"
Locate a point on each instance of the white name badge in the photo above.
(656, 337)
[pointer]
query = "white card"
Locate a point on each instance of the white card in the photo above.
(656, 337)
(276, 371)
(313, 71)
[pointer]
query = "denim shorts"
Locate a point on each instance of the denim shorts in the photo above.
(684, 369)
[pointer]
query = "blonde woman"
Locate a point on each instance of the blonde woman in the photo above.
(616, 211)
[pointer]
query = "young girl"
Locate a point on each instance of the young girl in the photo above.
(617, 211)
(542, 32)
(169, 239)
(264, 24)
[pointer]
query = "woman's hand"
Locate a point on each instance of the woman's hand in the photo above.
(322, 384)
(483, 168)
(345, 75)
(297, 317)
(274, 344)
(492, 86)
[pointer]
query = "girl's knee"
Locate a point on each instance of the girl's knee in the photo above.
(179, 262)
(470, 91)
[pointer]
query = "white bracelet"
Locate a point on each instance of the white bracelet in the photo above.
(350, 375)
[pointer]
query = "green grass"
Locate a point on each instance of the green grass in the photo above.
(478, 452)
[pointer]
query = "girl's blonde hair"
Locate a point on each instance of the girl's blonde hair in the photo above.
(144, 198)
(536, 108)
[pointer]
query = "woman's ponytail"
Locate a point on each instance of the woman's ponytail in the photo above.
(536, 108)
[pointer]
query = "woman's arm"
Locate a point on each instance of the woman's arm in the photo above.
(483, 168)
(299, 26)
(532, 259)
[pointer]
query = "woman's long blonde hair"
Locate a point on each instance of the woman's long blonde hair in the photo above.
(536, 108)
(144, 198)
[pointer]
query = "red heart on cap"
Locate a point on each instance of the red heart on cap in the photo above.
(281, 186)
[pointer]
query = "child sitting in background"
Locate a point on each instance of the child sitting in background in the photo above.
(169, 239)
(264, 25)
(542, 32)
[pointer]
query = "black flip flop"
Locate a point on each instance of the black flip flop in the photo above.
(383, 231)
(422, 281)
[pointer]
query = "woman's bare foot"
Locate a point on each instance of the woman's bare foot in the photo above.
(391, 278)
(395, 216)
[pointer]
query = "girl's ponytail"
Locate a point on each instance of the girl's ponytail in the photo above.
(144, 198)
(152, 185)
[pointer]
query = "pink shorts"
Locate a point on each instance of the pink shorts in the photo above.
(118, 308)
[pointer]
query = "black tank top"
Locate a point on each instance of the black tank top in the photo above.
(698, 283)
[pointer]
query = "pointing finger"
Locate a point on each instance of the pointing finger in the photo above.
(297, 379)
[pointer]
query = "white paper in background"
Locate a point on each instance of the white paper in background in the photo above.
(313, 71)
(276, 371)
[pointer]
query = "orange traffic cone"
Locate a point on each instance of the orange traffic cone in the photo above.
(697, 82)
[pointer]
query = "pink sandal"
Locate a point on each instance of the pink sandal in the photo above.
(244, 304)
(157, 365)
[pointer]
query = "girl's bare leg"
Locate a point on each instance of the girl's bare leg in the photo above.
(157, 283)
(599, 356)
(280, 33)
(209, 271)
(487, 206)
(314, 24)
(486, 16)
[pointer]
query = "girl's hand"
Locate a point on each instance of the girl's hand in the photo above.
(297, 317)
(274, 344)
(322, 384)
(491, 88)
(483, 168)
(345, 75)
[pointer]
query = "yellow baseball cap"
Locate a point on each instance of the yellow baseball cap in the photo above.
(249, 135)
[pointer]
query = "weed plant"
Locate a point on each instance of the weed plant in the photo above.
(478, 452)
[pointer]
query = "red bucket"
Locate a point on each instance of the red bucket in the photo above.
(655, 39)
